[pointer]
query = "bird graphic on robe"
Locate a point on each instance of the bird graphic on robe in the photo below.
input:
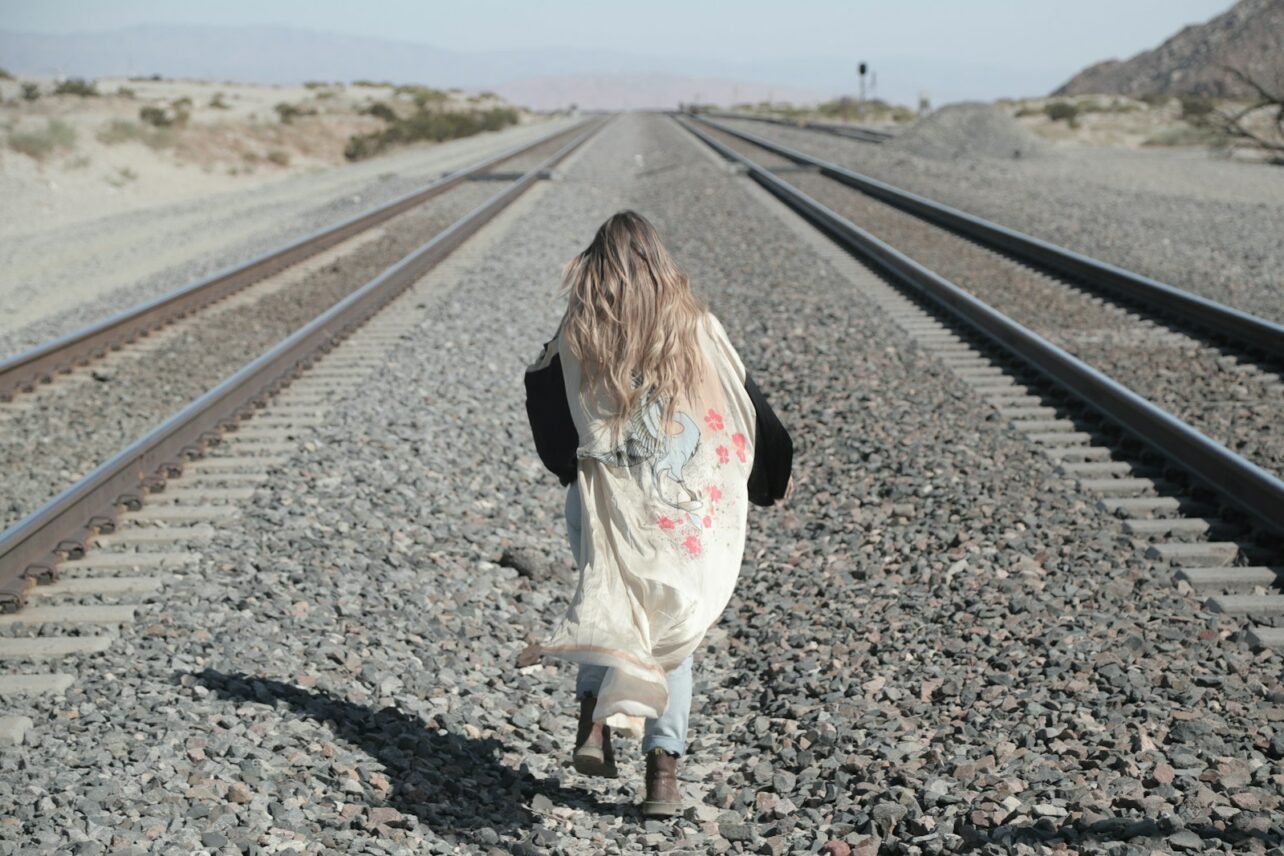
(647, 443)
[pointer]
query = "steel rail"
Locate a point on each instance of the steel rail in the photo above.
(1241, 483)
(25, 370)
(855, 132)
(1243, 329)
(62, 527)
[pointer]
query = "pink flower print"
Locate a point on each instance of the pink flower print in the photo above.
(666, 523)
(714, 493)
(724, 455)
(739, 441)
(708, 521)
(693, 544)
(713, 419)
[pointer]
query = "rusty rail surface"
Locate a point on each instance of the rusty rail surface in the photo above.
(24, 371)
(1237, 481)
(63, 527)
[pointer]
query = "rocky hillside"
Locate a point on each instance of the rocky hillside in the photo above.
(1249, 36)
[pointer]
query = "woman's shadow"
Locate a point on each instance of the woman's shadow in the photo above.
(452, 783)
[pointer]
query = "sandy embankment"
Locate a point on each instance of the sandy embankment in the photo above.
(89, 230)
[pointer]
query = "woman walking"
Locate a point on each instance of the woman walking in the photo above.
(642, 406)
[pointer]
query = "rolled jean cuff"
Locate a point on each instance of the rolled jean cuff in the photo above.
(668, 744)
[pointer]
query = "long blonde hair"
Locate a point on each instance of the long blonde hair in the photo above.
(631, 318)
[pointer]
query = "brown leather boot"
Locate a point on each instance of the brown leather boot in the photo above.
(593, 753)
(662, 796)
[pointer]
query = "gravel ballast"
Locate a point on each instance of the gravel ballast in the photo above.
(74, 427)
(1235, 402)
(937, 647)
(968, 130)
(1206, 225)
(59, 433)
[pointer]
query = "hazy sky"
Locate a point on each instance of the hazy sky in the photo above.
(1043, 34)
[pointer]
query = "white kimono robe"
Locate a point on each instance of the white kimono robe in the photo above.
(663, 528)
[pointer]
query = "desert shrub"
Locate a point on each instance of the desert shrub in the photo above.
(1155, 99)
(834, 108)
(361, 146)
(160, 138)
(381, 111)
(500, 117)
(1185, 135)
(119, 131)
(1059, 110)
(372, 83)
(422, 95)
(217, 102)
(1197, 109)
(141, 78)
(429, 125)
(40, 144)
(157, 117)
(5, 75)
(314, 84)
(154, 136)
(76, 86)
(287, 113)
(280, 157)
(124, 92)
(900, 115)
(30, 91)
(182, 108)
(1108, 107)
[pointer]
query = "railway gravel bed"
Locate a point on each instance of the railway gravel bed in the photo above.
(1236, 403)
(55, 281)
(73, 427)
(937, 647)
(1205, 225)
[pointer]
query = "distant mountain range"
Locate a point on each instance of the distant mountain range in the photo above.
(1249, 37)
(540, 78)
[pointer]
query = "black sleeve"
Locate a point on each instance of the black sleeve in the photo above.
(556, 439)
(773, 451)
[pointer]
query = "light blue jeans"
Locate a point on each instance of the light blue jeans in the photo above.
(669, 732)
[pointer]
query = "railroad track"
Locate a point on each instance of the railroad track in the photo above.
(81, 418)
(1211, 365)
(852, 132)
(84, 558)
(1237, 328)
(1214, 516)
(28, 370)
